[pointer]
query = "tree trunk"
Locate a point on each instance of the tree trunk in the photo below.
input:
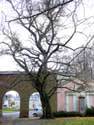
(47, 113)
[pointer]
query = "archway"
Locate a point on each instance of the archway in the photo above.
(11, 104)
(25, 88)
(35, 106)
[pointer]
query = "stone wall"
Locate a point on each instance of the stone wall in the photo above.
(21, 84)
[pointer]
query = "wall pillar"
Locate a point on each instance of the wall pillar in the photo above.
(67, 102)
(74, 103)
(24, 106)
(1, 103)
(53, 102)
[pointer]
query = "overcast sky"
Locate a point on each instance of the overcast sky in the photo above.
(87, 10)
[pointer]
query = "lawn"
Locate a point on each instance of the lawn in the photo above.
(57, 121)
(5, 110)
(70, 121)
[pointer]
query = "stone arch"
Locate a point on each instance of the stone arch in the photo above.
(24, 88)
(3, 90)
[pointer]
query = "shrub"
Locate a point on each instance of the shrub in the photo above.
(66, 114)
(90, 111)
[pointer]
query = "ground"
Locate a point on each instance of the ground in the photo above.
(57, 121)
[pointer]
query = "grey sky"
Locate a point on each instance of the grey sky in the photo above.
(86, 10)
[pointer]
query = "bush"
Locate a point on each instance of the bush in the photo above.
(66, 114)
(90, 111)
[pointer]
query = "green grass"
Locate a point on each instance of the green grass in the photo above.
(70, 121)
(58, 121)
(79, 121)
(6, 110)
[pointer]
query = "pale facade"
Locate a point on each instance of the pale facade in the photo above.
(69, 100)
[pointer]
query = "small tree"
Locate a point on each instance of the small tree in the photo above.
(11, 103)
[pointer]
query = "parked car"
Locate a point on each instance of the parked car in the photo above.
(36, 112)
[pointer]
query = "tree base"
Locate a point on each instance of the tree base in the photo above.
(48, 116)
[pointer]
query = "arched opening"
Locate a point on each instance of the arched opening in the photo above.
(11, 105)
(35, 107)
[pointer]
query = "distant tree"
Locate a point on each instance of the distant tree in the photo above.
(82, 65)
(50, 25)
(11, 103)
(86, 63)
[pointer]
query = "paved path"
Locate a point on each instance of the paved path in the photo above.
(27, 122)
(12, 119)
(20, 122)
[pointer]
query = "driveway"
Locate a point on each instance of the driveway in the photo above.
(11, 115)
(14, 115)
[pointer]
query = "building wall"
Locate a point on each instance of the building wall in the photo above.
(69, 101)
(62, 97)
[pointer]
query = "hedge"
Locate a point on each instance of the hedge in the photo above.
(66, 114)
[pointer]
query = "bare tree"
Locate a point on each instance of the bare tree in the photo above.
(84, 63)
(43, 57)
(81, 65)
